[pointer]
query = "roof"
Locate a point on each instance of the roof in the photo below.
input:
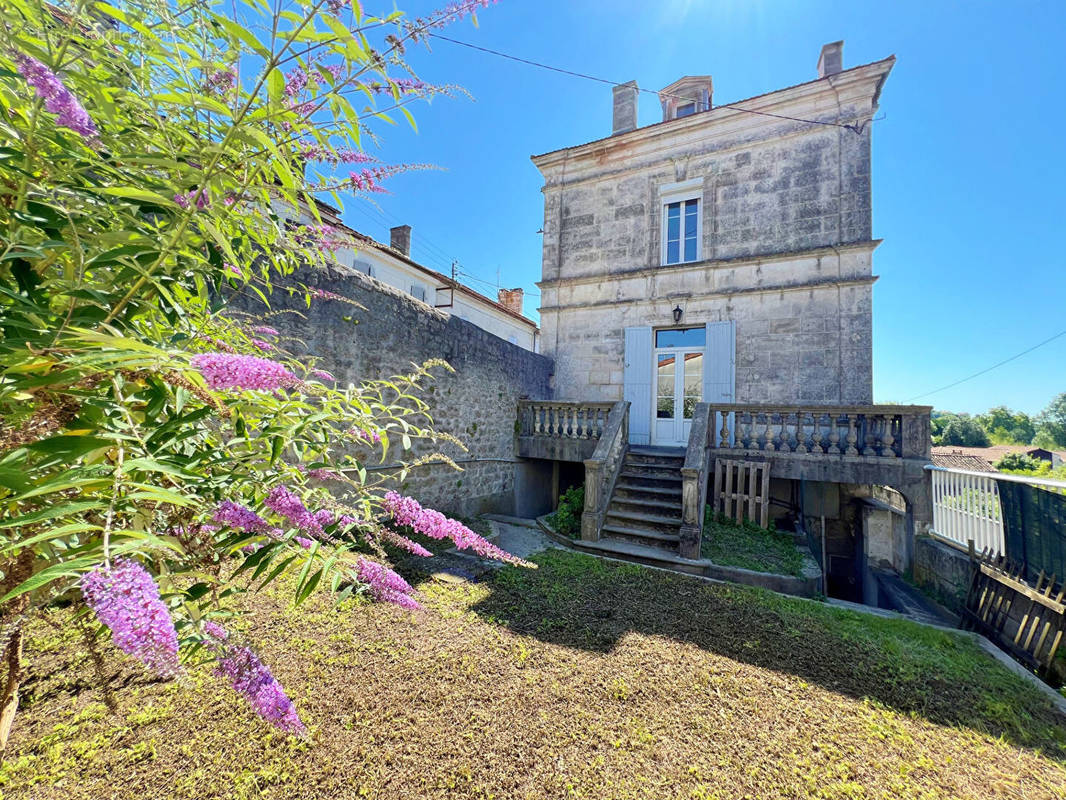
(952, 458)
(733, 105)
(989, 455)
(440, 277)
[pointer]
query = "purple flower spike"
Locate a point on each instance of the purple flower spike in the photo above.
(321, 374)
(385, 585)
(239, 517)
(126, 600)
(232, 371)
(57, 98)
(251, 678)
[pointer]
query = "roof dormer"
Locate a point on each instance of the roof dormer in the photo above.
(687, 96)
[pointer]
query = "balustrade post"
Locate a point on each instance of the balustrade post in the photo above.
(801, 435)
(785, 446)
(724, 441)
(851, 437)
(770, 447)
(834, 434)
(888, 439)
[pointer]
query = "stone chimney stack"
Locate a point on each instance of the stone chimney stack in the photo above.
(831, 61)
(511, 299)
(400, 239)
(625, 108)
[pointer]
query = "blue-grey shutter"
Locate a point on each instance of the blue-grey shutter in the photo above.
(720, 370)
(719, 363)
(637, 386)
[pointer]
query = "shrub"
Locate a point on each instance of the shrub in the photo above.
(1019, 462)
(567, 518)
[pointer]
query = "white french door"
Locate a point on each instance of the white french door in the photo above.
(678, 388)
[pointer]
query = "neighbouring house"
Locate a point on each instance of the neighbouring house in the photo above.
(990, 456)
(955, 458)
(707, 292)
(392, 265)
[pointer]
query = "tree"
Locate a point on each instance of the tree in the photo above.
(1005, 426)
(160, 453)
(964, 432)
(1020, 462)
(1051, 423)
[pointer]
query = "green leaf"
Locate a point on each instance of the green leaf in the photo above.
(51, 513)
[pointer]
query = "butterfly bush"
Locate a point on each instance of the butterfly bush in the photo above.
(252, 679)
(385, 585)
(224, 371)
(147, 205)
(408, 512)
(57, 98)
(126, 600)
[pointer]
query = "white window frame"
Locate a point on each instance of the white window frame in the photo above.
(417, 288)
(679, 193)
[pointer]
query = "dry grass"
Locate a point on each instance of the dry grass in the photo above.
(578, 680)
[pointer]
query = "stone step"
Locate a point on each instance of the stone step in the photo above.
(633, 488)
(644, 523)
(652, 504)
(646, 479)
(653, 467)
(652, 538)
(655, 460)
(641, 554)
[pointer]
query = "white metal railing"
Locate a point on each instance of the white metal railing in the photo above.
(966, 508)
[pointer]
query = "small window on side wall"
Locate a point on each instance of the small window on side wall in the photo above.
(418, 292)
(685, 110)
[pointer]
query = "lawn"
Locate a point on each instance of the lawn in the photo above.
(748, 546)
(582, 679)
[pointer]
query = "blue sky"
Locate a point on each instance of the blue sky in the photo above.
(969, 172)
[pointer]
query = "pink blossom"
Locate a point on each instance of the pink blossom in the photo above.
(231, 371)
(322, 294)
(322, 374)
(407, 511)
(126, 600)
(263, 345)
(265, 330)
(287, 504)
(58, 99)
(385, 585)
(253, 680)
(240, 518)
(406, 544)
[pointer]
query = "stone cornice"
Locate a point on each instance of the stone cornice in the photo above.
(821, 100)
(671, 297)
(724, 263)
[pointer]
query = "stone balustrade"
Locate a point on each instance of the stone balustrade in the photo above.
(881, 432)
(563, 420)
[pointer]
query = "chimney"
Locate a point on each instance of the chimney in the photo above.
(625, 108)
(400, 239)
(831, 61)
(511, 299)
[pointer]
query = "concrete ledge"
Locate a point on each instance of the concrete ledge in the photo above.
(807, 585)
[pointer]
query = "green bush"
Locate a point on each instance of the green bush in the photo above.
(1019, 461)
(567, 518)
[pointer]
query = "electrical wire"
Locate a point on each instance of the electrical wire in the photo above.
(856, 128)
(994, 366)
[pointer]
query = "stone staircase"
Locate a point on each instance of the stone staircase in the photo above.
(645, 509)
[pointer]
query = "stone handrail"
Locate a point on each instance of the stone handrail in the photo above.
(694, 478)
(882, 432)
(562, 420)
(601, 471)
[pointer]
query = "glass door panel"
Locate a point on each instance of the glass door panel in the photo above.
(666, 389)
(692, 390)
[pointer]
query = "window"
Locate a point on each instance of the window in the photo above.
(686, 110)
(682, 225)
(681, 337)
(366, 268)
(418, 292)
(512, 339)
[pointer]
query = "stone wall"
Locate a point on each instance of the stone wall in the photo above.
(477, 403)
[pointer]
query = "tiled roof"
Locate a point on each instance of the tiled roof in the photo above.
(988, 455)
(953, 459)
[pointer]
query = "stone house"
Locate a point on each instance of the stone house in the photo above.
(707, 302)
(720, 254)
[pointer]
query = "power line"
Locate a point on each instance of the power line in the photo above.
(994, 366)
(856, 128)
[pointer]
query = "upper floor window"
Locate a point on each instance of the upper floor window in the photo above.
(684, 110)
(418, 292)
(682, 226)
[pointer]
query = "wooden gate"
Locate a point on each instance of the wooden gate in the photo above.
(1026, 621)
(742, 489)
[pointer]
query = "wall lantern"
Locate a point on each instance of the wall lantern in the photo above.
(678, 311)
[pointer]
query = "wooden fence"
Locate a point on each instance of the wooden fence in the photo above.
(742, 489)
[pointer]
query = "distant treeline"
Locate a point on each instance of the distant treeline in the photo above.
(1001, 425)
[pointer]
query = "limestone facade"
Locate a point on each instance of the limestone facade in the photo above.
(785, 243)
